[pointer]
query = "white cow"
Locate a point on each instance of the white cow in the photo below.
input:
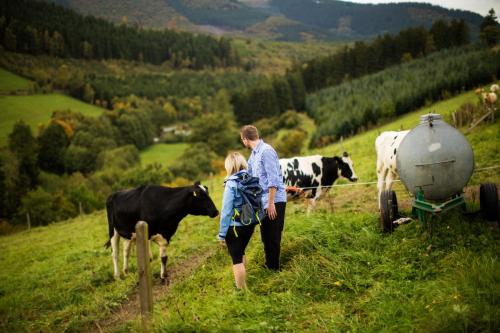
(386, 146)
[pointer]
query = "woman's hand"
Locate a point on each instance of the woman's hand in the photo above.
(222, 242)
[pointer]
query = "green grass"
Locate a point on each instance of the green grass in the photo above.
(36, 110)
(10, 82)
(339, 272)
(162, 153)
(484, 139)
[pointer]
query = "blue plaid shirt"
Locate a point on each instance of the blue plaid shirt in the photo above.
(264, 164)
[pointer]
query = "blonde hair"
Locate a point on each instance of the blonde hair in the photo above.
(235, 162)
(250, 132)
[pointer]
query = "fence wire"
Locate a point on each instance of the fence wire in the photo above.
(375, 182)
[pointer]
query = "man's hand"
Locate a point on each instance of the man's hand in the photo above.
(222, 242)
(271, 211)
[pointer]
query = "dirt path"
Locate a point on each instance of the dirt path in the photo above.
(129, 310)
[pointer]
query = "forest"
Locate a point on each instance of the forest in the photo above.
(375, 98)
(37, 27)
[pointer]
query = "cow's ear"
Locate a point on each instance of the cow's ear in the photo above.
(194, 194)
(345, 154)
(197, 183)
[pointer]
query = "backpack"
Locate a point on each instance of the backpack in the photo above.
(250, 212)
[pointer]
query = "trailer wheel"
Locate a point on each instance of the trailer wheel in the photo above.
(388, 210)
(488, 200)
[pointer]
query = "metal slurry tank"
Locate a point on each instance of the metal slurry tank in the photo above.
(436, 158)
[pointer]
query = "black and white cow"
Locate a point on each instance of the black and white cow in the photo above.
(315, 172)
(161, 207)
(387, 145)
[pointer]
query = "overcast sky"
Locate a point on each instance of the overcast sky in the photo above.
(479, 6)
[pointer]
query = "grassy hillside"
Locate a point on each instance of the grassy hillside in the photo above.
(271, 57)
(162, 153)
(11, 83)
(484, 140)
(37, 109)
(339, 272)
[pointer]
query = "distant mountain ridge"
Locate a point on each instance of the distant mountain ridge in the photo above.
(274, 19)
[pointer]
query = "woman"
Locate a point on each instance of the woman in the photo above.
(235, 234)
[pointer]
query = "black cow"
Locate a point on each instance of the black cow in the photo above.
(314, 172)
(161, 207)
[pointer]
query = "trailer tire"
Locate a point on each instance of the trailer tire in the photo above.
(388, 210)
(488, 200)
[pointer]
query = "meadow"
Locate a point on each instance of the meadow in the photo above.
(34, 110)
(11, 83)
(340, 273)
(162, 153)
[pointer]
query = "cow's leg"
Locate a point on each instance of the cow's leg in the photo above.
(389, 180)
(381, 176)
(115, 242)
(162, 243)
(126, 254)
(324, 192)
(312, 203)
(127, 244)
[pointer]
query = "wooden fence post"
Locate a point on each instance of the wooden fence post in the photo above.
(143, 267)
(28, 219)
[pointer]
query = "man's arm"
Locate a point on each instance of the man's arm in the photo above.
(271, 208)
(271, 166)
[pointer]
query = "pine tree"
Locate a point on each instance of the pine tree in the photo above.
(490, 30)
(23, 145)
(298, 90)
(283, 94)
(440, 34)
(53, 143)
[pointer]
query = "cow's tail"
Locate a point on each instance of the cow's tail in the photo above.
(109, 210)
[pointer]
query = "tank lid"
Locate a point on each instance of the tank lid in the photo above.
(426, 118)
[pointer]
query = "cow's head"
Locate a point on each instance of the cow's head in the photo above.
(201, 203)
(346, 168)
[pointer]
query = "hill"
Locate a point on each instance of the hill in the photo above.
(11, 83)
(276, 19)
(352, 105)
(38, 27)
(34, 110)
(339, 272)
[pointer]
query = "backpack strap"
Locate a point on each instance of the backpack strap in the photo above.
(258, 218)
(235, 214)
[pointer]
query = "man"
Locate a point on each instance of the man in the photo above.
(264, 164)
